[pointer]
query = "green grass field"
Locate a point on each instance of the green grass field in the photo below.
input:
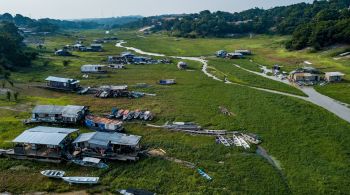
(311, 144)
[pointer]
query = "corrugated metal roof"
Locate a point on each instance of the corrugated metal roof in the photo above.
(60, 79)
(44, 135)
(103, 138)
(66, 111)
(334, 74)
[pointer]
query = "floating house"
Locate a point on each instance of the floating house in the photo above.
(167, 82)
(182, 65)
(334, 76)
(93, 68)
(235, 55)
(140, 60)
(103, 124)
(58, 114)
(306, 74)
(243, 51)
(112, 146)
(62, 83)
(127, 55)
(221, 54)
(43, 143)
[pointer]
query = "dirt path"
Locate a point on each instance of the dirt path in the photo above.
(338, 108)
(333, 106)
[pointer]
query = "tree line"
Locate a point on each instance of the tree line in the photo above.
(319, 24)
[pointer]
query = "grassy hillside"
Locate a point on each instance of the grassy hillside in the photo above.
(310, 144)
(269, 50)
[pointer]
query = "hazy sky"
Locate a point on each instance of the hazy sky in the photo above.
(73, 9)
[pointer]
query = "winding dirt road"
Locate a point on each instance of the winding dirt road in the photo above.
(338, 108)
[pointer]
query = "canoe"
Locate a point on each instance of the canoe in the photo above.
(81, 180)
(53, 173)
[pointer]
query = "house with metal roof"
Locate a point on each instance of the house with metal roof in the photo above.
(113, 146)
(103, 124)
(306, 74)
(60, 83)
(334, 76)
(243, 51)
(43, 143)
(58, 114)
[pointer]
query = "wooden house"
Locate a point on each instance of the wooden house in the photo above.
(235, 55)
(58, 114)
(43, 144)
(112, 146)
(62, 83)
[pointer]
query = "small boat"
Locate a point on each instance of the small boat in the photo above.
(81, 180)
(125, 114)
(244, 143)
(53, 173)
(203, 174)
(148, 116)
(132, 191)
(236, 141)
(91, 162)
(130, 115)
(119, 113)
(137, 114)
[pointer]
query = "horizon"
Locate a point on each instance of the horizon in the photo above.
(37, 9)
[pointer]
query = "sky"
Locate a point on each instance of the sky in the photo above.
(78, 9)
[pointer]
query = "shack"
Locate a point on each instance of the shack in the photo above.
(66, 84)
(244, 51)
(58, 114)
(334, 76)
(103, 124)
(43, 143)
(93, 68)
(182, 65)
(306, 74)
(167, 82)
(112, 146)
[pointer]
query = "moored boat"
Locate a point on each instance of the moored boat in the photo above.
(53, 173)
(81, 180)
(91, 162)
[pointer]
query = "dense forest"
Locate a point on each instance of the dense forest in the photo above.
(46, 24)
(13, 53)
(319, 24)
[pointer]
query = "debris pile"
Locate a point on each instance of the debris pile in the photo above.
(225, 111)
(117, 91)
(238, 139)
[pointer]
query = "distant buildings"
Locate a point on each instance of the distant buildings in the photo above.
(62, 52)
(233, 55)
